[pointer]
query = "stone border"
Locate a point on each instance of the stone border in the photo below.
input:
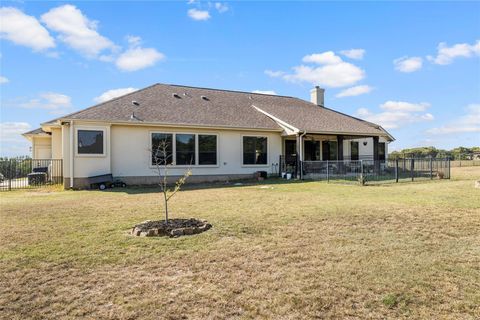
(174, 228)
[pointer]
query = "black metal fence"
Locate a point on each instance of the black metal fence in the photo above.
(19, 173)
(376, 171)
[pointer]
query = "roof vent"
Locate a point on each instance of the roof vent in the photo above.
(205, 98)
(134, 117)
(176, 95)
(135, 103)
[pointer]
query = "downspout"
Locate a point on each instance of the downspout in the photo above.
(71, 155)
(301, 154)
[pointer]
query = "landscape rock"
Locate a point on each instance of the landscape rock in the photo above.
(174, 228)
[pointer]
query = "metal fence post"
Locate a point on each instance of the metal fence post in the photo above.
(328, 176)
(396, 170)
(361, 173)
(431, 169)
(412, 165)
(10, 175)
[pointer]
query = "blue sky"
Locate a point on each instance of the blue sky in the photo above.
(412, 67)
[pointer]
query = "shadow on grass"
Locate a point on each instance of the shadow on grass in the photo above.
(209, 185)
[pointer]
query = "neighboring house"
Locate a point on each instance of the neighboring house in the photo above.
(221, 134)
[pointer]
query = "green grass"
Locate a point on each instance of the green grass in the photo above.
(289, 250)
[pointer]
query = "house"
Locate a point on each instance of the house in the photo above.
(220, 134)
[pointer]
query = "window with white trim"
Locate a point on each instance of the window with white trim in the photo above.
(184, 149)
(255, 150)
(90, 142)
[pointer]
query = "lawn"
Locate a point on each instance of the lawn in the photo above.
(277, 250)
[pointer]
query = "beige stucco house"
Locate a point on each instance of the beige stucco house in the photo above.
(220, 134)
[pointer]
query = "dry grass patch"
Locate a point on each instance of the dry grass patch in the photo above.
(296, 250)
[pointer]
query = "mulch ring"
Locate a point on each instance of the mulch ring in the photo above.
(174, 228)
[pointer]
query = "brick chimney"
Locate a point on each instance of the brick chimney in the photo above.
(317, 96)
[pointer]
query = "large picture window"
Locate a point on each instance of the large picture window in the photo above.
(162, 148)
(254, 150)
(207, 149)
(90, 142)
(185, 149)
(330, 150)
(354, 150)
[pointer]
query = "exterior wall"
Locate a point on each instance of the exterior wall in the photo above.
(42, 147)
(127, 155)
(131, 157)
(363, 150)
(85, 165)
(57, 143)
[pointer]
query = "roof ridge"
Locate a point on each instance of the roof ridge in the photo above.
(227, 90)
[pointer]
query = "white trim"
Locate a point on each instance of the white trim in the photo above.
(91, 155)
(289, 129)
(243, 165)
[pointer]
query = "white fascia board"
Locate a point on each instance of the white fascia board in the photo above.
(288, 128)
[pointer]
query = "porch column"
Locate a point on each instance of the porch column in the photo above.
(375, 155)
(340, 148)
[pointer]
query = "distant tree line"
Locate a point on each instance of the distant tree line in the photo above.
(459, 153)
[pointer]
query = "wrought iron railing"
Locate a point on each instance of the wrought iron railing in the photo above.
(19, 173)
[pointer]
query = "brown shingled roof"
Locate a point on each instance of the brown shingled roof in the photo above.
(213, 107)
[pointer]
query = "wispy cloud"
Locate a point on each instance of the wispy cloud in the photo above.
(221, 7)
(325, 69)
(408, 64)
(113, 93)
(355, 91)
(11, 140)
(446, 55)
(4, 80)
(468, 123)
(54, 103)
(397, 114)
(24, 30)
(198, 15)
(356, 54)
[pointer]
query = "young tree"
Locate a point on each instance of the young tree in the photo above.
(162, 159)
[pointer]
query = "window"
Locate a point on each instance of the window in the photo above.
(353, 150)
(254, 150)
(162, 148)
(185, 149)
(381, 151)
(207, 149)
(329, 150)
(90, 141)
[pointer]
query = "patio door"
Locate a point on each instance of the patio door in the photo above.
(311, 150)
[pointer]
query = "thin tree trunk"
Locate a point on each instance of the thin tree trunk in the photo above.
(166, 206)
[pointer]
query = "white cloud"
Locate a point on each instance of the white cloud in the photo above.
(24, 30)
(11, 141)
(4, 80)
(55, 103)
(446, 55)
(76, 30)
(265, 92)
(138, 58)
(356, 54)
(468, 123)
(404, 106)
(113, 93)
(332, 72)
(198, 15)
(274, 74)
(328, 57)
(397, 114)
(221, 7)
(354, 91)
(406, 64)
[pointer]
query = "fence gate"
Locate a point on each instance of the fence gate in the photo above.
(18, 173)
